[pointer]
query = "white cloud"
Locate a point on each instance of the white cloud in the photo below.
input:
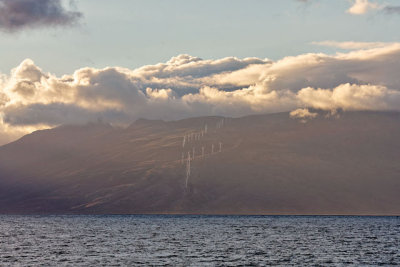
(351, 97)
(303, 114)
(188, 86)
(360, 7)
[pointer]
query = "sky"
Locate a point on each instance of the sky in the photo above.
(133, 33)
(79, 61)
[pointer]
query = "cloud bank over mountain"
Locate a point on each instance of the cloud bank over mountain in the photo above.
(187, 86)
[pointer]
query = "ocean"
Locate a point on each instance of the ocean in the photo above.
(163, 240)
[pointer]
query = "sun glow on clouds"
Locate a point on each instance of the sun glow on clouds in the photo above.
(303, 114)
(187, 86)
(361, 7)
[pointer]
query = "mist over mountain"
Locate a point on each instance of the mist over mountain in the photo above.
(306, 162)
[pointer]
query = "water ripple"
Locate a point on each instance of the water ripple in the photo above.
(199, 240)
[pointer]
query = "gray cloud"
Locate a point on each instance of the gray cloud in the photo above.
(22, 14)
(392, 9)
(57, 113)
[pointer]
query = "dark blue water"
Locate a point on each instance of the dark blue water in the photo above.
(199, 240)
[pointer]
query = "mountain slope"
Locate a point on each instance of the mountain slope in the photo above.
(268, 164)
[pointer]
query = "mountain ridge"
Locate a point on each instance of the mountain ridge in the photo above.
(268, 164)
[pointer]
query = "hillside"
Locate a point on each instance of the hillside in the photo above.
(268, 164)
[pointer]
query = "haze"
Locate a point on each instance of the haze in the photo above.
(309, 68)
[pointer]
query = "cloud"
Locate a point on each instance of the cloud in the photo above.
(392, 9)
(188, 86)
(17, 15)
(351, 45)
(303, 114)
(351, 97)
(54, 113)
(360, 7)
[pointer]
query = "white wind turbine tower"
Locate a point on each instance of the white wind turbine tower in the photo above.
(220, 147)
(212, 149)
(187, 169)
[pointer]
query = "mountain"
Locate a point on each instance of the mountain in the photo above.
(268, 164)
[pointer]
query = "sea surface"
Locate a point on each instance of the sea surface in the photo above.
(199, 240)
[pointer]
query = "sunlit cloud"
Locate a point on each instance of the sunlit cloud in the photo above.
(303, 114)
(365, 78)
(361, 7)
